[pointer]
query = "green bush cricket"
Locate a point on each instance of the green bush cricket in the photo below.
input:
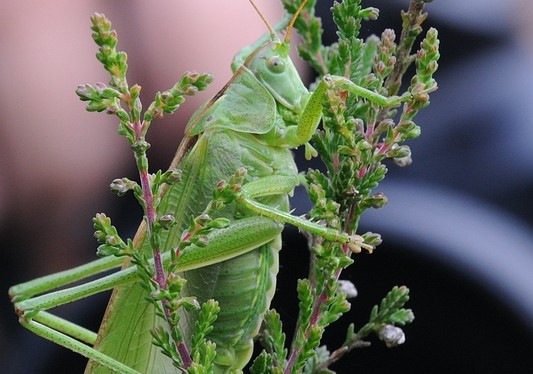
(262, 113)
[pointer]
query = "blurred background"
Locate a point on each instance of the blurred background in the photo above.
(457, 229)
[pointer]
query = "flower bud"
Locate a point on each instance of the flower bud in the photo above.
(96, 106)
(190, 90)
(100, 236)
(355, 243)
(106, 250)
(408, 129)
(376, 201)
(241, 173)
(119, 186)
(371, 238)
(219, 223)
(140, 146)
(403, 161)
(399, 151)
(85, 92)
(222, 184)
(347, 288)
(370, 14)
(135, 91)
(167, 221)
(113, 240)
(173, 176)
(379, 67)
(201, 241)
(391, 335)
(202, 219)
(190, 303)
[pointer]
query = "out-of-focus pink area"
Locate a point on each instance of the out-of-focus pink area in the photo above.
(57, 159)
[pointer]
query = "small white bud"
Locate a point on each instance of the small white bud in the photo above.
(391, 335)
(348, 288)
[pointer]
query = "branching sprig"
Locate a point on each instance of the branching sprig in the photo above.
(120, 99)
(357, 137)
(382, 322)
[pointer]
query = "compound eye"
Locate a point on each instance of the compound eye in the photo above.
(275, 64)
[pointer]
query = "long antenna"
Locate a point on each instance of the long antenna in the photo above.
(270, 29)
(291, 24)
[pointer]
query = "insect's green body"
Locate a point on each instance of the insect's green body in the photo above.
(243, 125)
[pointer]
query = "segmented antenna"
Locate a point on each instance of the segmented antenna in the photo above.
(291, 24)
(270, 29)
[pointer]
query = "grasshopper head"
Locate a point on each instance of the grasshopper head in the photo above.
(272, 66)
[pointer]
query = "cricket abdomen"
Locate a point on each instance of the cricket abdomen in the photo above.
(244, 287)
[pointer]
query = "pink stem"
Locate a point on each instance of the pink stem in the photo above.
(322, 298)
(151, 216)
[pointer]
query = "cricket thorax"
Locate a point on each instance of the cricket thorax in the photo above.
(261, 157)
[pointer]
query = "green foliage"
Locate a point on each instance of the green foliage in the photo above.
(273, 339)
(203, 351)
(263, 364)
(107, 235)
(170, 100)
(162, 339)
(313, 366)
(357, 137)
(390, 310)
(389, 313)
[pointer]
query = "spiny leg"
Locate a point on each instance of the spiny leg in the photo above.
(62, 325)
(75, 345)
(40, 285)
(346, 84)
(241, 237)
(223, 244)
(56, 329)
(36, 304)
(284, 184)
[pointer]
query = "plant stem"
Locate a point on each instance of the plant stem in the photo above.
(320, 300)
(412, 19)
(148, 197)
